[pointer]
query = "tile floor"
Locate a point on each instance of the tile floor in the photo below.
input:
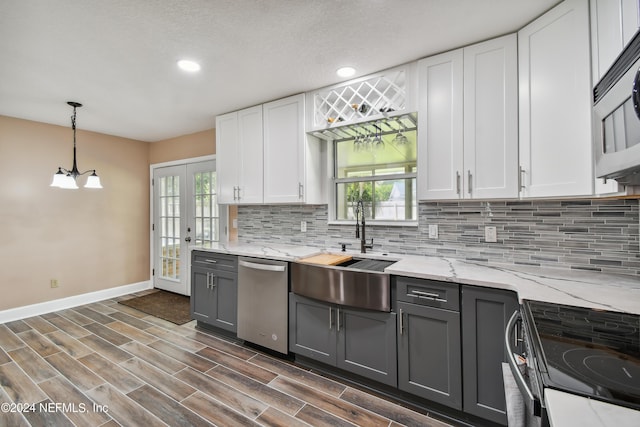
(105, 364)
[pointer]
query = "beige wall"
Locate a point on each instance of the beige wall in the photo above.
(88, 240)
(183, 147)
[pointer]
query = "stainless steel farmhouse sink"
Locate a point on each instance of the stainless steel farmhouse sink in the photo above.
(358, 283)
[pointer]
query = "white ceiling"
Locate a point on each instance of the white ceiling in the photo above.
(118, 57)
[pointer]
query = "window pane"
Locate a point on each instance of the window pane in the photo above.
(354, 158)
(386, 200)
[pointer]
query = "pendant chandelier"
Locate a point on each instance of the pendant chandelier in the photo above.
(66, 178)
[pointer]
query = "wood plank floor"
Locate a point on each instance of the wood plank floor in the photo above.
(105, 364)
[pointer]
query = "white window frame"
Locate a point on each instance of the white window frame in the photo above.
(332, 205)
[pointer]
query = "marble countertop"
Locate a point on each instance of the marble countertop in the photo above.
(270, 251)
(567, 409)
(561, 286)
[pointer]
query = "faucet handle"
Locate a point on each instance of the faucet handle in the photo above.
(369, 245)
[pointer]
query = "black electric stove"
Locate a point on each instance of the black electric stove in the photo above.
(593, 353)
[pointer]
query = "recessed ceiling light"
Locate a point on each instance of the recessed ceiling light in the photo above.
(346, 71)
(187, 65)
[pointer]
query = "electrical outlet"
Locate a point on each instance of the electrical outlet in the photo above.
(234, 224)
(303, 226)
(54, 283)
(490, 234)
(433, 231)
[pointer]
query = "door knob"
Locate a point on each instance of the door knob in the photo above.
(187, 239)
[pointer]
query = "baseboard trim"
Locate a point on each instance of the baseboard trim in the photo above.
(70, 302)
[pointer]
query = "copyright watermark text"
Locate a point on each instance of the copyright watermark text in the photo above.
(52, 407)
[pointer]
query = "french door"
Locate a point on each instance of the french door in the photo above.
(185, 212)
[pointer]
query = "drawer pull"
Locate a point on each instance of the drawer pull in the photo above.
(426, 295)
(211, 261)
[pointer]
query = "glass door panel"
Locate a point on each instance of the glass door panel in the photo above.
(186, 213)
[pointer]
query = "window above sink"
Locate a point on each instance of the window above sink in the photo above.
(375, 162)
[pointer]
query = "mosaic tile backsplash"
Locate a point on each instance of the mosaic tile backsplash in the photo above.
(598, 235)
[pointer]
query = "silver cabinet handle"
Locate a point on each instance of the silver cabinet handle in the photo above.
(300, 190)
(426, 295)
(212, 261)
(330, 318)
(239, 193)
(457, 182)
(401, 322)
(469, 181)
(234, 192)
(522, 385)
(263, 267)
(521, 173)
(208, 280)
(338, 319)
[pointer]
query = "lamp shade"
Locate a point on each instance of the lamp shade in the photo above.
(69, 183)
(93, 181)
(58, 179)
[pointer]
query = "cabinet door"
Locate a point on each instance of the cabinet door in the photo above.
(555, 103)
(202, 295)
(485, 313)
(250, 155)
(491, 119)
(367, 344)
(284, 150)
(429, 354)
(227, 155)
(613, 24)
(440, 161)
(312, 329)
(225, 300)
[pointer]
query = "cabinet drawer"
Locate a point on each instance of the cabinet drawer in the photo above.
(429, 292)
(214, 260)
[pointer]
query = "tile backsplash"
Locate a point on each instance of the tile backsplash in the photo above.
(599, 234)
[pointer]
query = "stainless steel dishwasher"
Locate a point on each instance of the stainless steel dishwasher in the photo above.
(263, 289)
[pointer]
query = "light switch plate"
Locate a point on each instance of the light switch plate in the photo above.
(433, 231)
(490, 234)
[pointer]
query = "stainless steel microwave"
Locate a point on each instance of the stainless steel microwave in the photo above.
(616, 121)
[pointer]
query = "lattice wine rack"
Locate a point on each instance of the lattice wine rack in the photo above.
(382, 94)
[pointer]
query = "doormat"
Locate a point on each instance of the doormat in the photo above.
(166, 305)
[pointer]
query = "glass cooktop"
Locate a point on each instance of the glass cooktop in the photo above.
(590, 352)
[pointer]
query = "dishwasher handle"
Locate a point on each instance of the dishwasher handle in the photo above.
(263, 267)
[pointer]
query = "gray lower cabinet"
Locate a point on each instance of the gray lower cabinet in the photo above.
(214, 289)
(485, 313)
(429, 351)
(359, 341)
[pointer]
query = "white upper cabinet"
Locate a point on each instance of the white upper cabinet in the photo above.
(440, 126)
(555, 103)
(387, 93)
(613, 24)
(468, 123)
(292, 162)
(491, 118)
(239, 156)
(227, 157)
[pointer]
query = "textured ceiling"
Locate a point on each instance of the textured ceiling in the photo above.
(118, 57)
